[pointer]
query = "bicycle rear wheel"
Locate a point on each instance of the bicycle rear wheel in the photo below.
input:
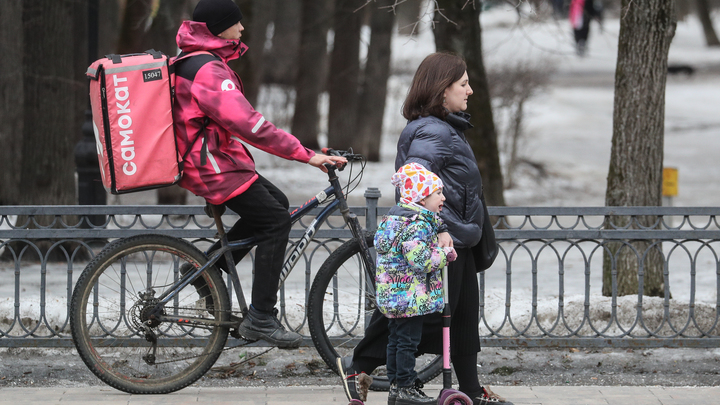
(110, 323)
(341, 300)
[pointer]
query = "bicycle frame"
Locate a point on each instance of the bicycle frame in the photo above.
(335, 190)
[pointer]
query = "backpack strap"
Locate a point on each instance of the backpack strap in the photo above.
(203, 150)
(187, 66)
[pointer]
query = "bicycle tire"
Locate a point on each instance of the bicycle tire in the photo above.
(341, 298)
(107, 310)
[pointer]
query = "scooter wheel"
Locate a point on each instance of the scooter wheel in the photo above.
(359, 402)
(452, 397)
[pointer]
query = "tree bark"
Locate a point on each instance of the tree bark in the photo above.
(11, 100)
(257, 14)
(636, 159)
(109, 20)
(703, 10)
(343, 76)
(312, 70)
(161, 37)
(134, 26)
(164, 27)
(371, 109)
(53, 101)
(463, 35)
(281, 61)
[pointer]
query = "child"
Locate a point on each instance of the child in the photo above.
(408, 276)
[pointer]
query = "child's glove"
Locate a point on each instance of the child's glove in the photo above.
(450, 253)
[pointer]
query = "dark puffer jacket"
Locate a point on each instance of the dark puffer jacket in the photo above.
(441, 147)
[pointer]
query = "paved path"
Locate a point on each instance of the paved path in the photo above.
(334, 395)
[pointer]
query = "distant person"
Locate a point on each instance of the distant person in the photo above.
(434, 138)
(580, 15)
(210, 104)
(408, 275)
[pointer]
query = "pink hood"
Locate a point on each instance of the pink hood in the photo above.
(194, 36)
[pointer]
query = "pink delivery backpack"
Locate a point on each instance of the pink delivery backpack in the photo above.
(131, 98)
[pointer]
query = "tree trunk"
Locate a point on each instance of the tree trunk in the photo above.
(703, 10)
(109, 20)
(312, 70)
(134, 26)
(463, 35)
(54, 45)
(55, 100)
(257, 14)
(371, 109)
(343, 76)
(161, 37)
(281, 61)
(11, 100)
(636, 159)
(164, 28)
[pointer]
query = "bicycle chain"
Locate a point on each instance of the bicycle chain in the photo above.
(136, 320)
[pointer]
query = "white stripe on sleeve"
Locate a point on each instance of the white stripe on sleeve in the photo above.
(257, 126)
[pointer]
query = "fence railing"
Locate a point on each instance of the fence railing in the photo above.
(544, 290)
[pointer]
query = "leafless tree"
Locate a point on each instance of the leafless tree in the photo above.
(457, 29)
(11, 100)
(371, 108)
(703, 11)
(636, 160)
(45, 118)
(281, 60)
(511, 86)
(343, 77)
(312, 70)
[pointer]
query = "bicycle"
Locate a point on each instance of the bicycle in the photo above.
(140, 329)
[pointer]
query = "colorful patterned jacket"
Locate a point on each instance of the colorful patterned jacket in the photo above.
(216, 93)
(409, 263)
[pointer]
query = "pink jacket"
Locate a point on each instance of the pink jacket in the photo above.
(217, 93)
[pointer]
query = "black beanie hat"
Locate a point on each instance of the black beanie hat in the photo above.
(219, 15)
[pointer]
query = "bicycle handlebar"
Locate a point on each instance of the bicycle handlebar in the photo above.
(343, 153)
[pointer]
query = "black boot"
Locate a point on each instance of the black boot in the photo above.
(393, 393)
(413, 395)
(266, 326)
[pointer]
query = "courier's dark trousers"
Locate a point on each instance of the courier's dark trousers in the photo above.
(263, 211)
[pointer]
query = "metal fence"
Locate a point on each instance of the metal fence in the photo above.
(544, 290)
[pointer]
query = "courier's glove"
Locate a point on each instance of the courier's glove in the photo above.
(450, 253)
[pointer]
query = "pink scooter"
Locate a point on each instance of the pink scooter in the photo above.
(448, 396)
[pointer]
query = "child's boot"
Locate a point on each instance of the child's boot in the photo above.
(413, 395)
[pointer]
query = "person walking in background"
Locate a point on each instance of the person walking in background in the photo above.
(210, 104)
(408, 275)
(434, 138)
(580, 14)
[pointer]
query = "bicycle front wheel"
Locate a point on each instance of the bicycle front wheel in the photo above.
(111, 324)
(341, 302)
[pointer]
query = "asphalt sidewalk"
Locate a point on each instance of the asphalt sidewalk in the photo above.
(306, 395)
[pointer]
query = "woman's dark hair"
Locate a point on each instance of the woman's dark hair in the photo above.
(435, 74)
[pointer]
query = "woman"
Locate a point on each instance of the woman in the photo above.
(434, 138)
